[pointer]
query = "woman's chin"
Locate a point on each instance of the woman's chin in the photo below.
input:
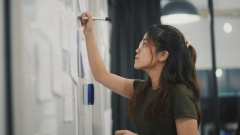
(136, 67)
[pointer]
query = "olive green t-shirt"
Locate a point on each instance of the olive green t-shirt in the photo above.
(181, 105)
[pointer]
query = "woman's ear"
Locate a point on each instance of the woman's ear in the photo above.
(163, 55)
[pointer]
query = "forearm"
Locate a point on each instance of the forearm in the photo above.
(95, 60)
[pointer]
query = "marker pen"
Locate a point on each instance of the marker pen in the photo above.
(97, 18)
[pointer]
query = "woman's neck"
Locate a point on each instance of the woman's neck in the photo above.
(155, 75)
(155, 81)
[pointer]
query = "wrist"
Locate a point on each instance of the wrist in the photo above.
(88, 34)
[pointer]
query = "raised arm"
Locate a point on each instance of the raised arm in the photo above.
(117, 84)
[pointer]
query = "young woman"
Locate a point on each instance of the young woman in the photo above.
(166, 103)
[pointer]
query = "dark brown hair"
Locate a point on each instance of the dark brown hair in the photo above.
(179, 69)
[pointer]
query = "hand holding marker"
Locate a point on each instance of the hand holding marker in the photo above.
(96, 18)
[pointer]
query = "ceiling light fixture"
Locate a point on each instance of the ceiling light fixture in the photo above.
(227, 27)
(179, 12)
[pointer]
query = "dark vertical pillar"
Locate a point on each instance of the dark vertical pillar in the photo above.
(7, 76)
(160, 9)
(215, 89)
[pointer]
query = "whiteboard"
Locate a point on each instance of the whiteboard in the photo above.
(47, 94)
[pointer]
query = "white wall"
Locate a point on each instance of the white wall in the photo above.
(2, 100)
(227, 44)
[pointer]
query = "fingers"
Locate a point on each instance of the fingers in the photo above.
(124, 132)
(89, 15)
(120, 132)
(85, 21)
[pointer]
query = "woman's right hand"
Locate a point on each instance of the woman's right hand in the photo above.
(124, 132)
(87, 24)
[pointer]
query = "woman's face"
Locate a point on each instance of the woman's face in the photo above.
(144, 57)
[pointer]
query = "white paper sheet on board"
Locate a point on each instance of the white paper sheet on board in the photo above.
(65, 31)
(68, 99)
(43, 71)
(57, 70)
(73, 48)
(44, 15)
(83, 5)
(57, 54)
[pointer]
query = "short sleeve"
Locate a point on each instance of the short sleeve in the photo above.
(182, 104)
(137, 83)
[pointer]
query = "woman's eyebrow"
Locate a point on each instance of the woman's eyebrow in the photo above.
(146, 40)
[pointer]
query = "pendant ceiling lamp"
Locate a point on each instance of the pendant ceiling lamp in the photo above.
(179, 12)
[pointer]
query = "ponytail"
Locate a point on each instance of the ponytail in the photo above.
(193, 54)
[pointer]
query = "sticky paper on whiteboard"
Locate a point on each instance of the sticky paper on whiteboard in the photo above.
(43, 71)
(68, 99)
(83, 5)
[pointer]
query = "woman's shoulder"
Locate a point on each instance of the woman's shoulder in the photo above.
(182, 91)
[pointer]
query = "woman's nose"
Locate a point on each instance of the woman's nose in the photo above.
(137, 50)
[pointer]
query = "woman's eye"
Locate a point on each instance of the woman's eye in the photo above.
(144, 44)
